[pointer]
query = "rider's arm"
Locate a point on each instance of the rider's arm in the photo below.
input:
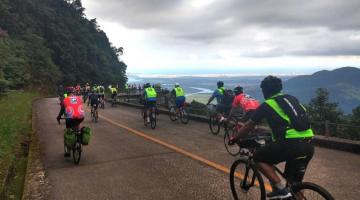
(259, 114)
(62, 110)
(210, 100)
(247, 128)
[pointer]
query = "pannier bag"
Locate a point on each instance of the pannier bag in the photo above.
(69, 138)
(86, 135)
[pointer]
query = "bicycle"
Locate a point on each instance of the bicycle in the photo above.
(231, 127)
(182, 114)
(77, 146)
(152, 118)
(94, 113)
(245, 176)
(113, 102)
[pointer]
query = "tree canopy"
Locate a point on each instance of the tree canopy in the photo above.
(47, 42)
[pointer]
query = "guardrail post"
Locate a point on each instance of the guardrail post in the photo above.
(327, 128)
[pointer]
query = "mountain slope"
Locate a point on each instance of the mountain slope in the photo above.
(343, 85)
(45, 42)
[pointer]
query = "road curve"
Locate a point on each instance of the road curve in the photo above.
(120, 164)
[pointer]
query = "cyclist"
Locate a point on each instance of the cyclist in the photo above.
(87, 90)
(244, 101)
(78, 89)
(101, 91)
(291, 140)
(179, 94)
(219, 94)
(113, 92)
(72, 107)
(150, 100)
(94, 98)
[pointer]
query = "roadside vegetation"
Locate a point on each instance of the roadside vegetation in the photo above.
(15, 129)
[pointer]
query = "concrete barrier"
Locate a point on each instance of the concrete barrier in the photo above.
(319, 140)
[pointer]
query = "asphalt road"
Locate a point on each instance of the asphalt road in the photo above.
(126, 160)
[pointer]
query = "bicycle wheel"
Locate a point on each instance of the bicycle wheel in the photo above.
(184, 116)
(143, 116)
(246, 182)
(306, 190)
(77, 152)
(102, 104)
(172, 113)
(153, 120)
(231, 149)
(214, 125)
(96, 116)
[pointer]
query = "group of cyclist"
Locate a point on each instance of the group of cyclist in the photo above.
(291, 133)
(71, 103)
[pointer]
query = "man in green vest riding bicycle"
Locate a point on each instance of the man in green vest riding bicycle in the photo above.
(179, 94)
(221, 108)
(150, 100)
(291, 135)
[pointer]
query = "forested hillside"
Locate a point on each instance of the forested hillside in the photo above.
(47, 42)
(343, 84)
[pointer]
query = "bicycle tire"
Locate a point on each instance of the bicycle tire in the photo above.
(214, 125)
(172, 113)
(77, 152)
(96, 116)
(233, 150)
(256, 187)
(144, 117)
(301, 191)
(152, 120)
(184, 117)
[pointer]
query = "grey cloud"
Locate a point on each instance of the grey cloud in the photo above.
(173, 21)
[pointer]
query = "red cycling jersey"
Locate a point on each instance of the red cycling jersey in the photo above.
(245, 102)
(74, 107)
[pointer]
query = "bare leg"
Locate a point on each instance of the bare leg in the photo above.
(269, 172)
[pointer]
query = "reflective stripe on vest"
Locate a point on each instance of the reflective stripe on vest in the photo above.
(221, 90)
(179, 92)
(290, 132)
(150, 93)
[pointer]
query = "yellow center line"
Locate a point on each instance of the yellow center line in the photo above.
(179, 150)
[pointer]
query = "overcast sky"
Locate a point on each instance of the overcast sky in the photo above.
(231, 36)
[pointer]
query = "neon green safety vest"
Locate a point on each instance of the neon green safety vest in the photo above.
(290, 132)
(179, 92)
(221, 90)
(113, 90)
(150, 93)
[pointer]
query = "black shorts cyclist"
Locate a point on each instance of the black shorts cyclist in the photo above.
(289, 144)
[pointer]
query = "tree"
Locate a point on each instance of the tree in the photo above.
(320, 109)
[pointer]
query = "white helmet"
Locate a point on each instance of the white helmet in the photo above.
(177, 85)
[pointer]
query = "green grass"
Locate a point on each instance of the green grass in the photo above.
(15, 125)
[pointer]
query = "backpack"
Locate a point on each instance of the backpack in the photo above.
(228, 97)
(295, 111)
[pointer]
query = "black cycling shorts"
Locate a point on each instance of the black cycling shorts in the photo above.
(295, 153)
(70, 123)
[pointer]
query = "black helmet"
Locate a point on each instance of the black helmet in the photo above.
(147, 85)
(271, 85)
(220, 84)
(238, 90)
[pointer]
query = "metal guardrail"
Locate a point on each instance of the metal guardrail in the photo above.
(326, 128)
